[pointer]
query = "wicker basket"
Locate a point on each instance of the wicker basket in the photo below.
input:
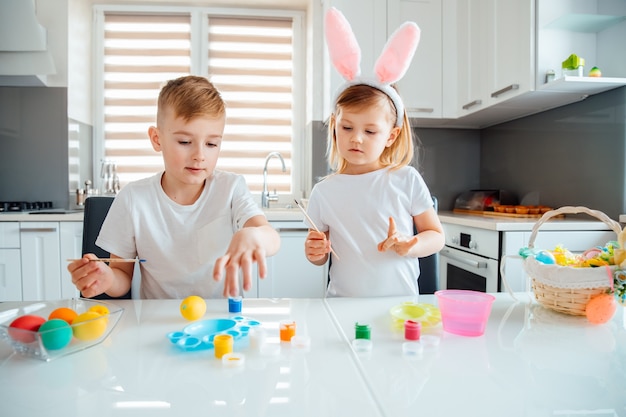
(563, 288)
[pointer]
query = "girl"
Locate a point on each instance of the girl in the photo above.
(369, 207)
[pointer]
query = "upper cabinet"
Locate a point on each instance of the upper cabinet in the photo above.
(373, 21)
(503, 49)
(421, 87)
(484, 62)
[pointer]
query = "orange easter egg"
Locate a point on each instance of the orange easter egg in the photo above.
(601, 308)
(64, 313)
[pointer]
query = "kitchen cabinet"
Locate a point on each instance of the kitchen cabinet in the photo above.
(41, 260)
(421, 87)
(33, 259)
(373, 21)
(503, 49)
(290, 274)
(10, 265)
(494, 50)
(71, 247)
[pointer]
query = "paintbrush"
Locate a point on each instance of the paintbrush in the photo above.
(314, 226)
(112, 260)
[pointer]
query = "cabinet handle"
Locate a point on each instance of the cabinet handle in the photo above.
(38, 229)
(505, 89)
(291, 229)
(421, 110)
(472, 104)
(468, 262)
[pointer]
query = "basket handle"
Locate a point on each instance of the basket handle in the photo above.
(615, 226)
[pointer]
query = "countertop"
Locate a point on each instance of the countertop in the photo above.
(272, 214)
(502, 223)
(531, 361)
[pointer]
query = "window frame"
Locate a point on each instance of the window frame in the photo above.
(199, 66)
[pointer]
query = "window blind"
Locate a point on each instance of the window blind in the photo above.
(250, 60)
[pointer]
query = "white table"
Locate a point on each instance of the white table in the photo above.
(138, 372)
(529, 362)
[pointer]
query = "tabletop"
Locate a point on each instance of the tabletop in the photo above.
(530, 361)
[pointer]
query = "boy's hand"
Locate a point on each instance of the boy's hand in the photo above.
(90, 278)
(316, 246)
(245, 248)
(396, 242)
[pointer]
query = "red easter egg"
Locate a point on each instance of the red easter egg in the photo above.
(28, 322)
(601, 308)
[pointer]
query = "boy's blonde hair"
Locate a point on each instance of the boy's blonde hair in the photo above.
(361, 96)
(189, 97)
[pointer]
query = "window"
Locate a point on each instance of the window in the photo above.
(252, 58)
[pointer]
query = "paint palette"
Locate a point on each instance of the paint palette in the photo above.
(199, 335)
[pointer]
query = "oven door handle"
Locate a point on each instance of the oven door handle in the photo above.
(468, 262)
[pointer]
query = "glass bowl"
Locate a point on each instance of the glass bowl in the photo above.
(84, 335)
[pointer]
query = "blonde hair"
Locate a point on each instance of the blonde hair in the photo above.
(358, 97)
(190, 97)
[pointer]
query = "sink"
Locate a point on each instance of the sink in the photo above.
(283, 212)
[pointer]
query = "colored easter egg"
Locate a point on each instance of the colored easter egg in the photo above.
(55, 334)
(63, 313)
(601, 308)
(193, 307)
(545, 257)
(89, 325)
(23, 328)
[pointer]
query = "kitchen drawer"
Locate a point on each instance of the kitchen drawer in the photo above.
(9, 235)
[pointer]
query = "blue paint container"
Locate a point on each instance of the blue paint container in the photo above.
(234, 304)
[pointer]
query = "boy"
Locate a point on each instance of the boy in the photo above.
(188, 222)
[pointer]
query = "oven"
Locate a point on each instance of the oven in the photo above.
(469, 259)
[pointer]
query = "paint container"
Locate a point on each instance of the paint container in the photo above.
(412, 330)
(362, 331)
(234, 304)
(287, 330)
(223, 344)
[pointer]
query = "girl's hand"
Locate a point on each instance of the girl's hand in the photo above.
(396, 242)
(316, 247)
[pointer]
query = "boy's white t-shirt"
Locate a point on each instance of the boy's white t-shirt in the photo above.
(355, 209)
(179, 243)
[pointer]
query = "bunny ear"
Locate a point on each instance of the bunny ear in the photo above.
(344, 50)
(397, 54)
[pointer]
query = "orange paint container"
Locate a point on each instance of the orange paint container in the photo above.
(287, 330)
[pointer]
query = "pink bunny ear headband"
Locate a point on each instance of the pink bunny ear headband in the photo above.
(392, 64)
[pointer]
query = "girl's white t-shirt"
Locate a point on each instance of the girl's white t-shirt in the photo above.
(355, 210)
(180, 244)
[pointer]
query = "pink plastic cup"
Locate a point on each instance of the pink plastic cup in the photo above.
(464, 312)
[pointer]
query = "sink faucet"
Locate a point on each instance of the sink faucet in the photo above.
(266, 197)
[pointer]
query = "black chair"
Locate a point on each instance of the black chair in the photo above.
(96, 209)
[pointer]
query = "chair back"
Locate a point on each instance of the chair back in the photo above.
(96, 210)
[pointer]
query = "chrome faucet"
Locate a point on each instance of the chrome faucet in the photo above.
(266, 197)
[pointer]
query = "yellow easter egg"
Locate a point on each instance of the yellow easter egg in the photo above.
(193, 307)
(89, 325)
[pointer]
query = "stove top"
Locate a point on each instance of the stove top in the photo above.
(21, 206)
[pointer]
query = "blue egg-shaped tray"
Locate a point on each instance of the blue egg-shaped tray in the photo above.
(199, 335)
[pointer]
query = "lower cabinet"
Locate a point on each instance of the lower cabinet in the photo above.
(290, 274)
(33, 258)
(10, 265)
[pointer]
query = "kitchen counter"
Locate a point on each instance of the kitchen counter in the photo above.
(503, 223)
(530, 362)
(272, 214)
(69, 216)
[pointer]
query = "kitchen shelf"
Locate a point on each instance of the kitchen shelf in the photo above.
(583, 85)
(587, 23)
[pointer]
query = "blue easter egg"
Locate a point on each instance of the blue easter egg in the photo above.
(545, 257)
